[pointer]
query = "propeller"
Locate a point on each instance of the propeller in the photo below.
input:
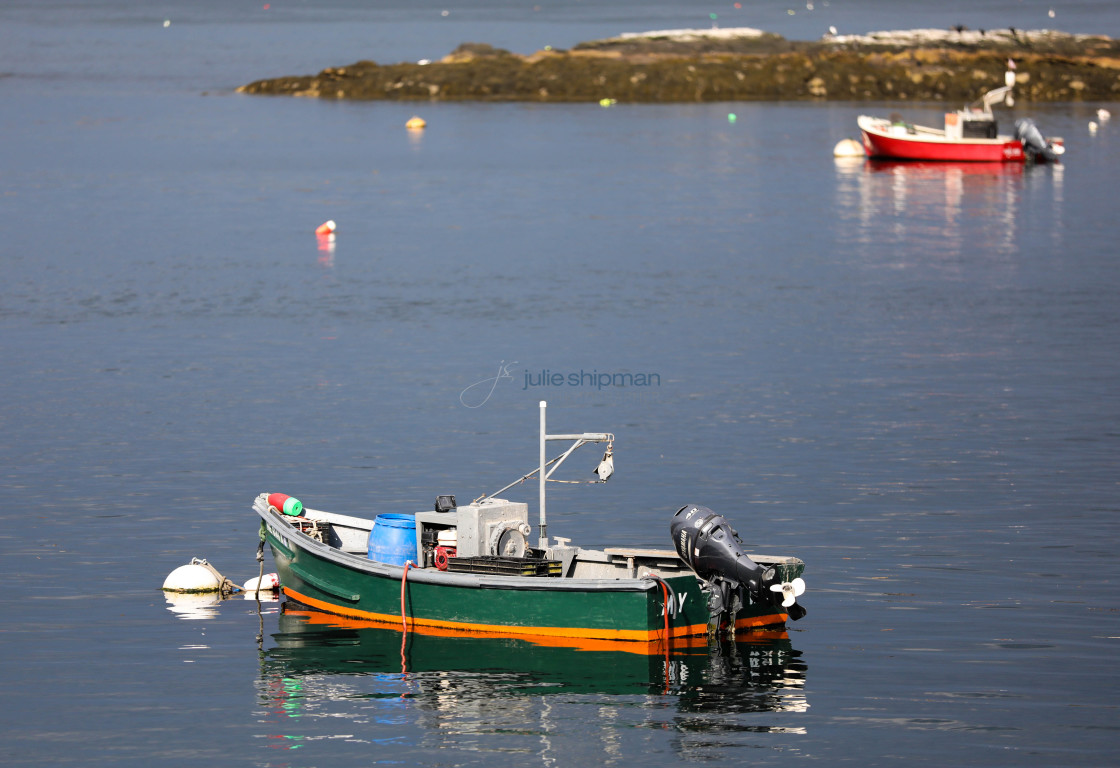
(790, 590)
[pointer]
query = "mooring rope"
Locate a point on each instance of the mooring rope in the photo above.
(225, 586)
(257, 594)
(260, 561)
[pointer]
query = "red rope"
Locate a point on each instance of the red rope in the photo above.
(404, 583)
(404, 621)
(665, 612)
(665, 591)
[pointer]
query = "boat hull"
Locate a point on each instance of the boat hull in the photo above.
(324, 578)
(929, 144)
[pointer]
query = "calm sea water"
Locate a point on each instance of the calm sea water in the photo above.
(904, 375)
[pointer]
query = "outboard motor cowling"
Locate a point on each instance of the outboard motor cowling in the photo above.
(1035, 145)
(707, 543)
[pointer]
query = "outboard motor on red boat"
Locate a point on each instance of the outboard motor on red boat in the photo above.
(1038, 147)
(711, 547)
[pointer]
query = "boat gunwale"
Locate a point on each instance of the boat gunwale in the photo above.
(436, 577)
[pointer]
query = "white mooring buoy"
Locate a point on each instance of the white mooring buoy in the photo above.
(196, 576)
(848, 148)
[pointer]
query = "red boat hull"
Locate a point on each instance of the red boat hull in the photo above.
(916, 147)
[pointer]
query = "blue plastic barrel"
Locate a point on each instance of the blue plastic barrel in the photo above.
(393, 539)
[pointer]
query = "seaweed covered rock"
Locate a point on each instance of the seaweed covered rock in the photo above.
(740, 65)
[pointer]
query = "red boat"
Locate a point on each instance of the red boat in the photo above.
(969, 135)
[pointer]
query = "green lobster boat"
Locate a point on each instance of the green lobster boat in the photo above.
(472, 569)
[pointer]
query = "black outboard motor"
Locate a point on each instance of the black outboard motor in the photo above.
(706, 541)
(1037, 146)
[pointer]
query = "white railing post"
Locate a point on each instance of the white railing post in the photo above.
(543, 539)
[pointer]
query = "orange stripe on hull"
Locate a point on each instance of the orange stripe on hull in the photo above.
(490, 629)
(622, 646)
(537, 634)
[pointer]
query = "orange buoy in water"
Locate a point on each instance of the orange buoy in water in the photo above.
(416, 122)
(326, 228)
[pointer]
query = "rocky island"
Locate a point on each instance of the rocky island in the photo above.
(742, 64)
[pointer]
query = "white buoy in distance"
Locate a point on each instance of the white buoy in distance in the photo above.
(848, 148)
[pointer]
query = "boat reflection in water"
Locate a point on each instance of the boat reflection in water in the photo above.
(928, 202)
(435, 686)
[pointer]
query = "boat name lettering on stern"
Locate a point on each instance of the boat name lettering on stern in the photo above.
(676, 603)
